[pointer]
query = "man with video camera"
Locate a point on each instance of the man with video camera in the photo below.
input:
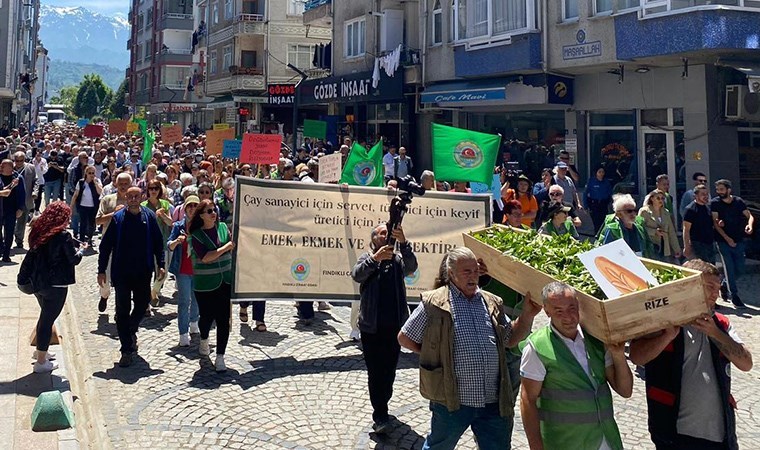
(383, 308)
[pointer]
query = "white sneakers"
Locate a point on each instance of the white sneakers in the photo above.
(219, 364)
(324, 306)
(48, 356)
(355, 335)
(184, 340)
(194, 328)
(203, 348)
(47, 366)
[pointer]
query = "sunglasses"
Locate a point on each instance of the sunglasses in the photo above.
(555, 194)
(702, 181)
(629, 211)
(153, 189)
(210, 211)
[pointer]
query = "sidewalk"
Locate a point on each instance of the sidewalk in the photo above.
(19, 386)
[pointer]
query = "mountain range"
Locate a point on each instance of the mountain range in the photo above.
(81, 41)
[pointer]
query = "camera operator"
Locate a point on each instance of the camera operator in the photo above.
(382, 311)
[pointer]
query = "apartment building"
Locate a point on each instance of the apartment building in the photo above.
(18, 44)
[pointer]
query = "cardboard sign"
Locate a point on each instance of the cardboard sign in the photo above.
(171, 134)
(314, 129)
(215, 140)
(261, 148)
(117, 126)
(306, 237)
(132, 127)
(330, 168)
(94, 131)
(221, 126)
(231, 148)
(81, 123)
(617, 269)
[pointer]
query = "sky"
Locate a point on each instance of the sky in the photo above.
(106, 7)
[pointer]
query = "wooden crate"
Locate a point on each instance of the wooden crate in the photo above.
(614, 320)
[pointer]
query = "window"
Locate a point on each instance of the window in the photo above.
(215, 12)
(212, 61)
(569, 9)
(226, 57)
(612, 145)
(228, 9)
(295, 7)
(605, 6)
(149, 18)
(143, 81)
(174, 76)
(354, 38)
(483, 19)
(140, 22)
(301, 55)
(251, 7)
(437, 33)
(248, 58)
(149, 50)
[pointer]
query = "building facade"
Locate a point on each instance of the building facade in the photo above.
(41, 86)
(164, 63)
(248, 48)
(18, 44)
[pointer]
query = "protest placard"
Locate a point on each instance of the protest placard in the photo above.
(215, 140)
(306, 237)
(171, 134)
(231, 148)
(93, 131)
(617, 269)
(221, 126)
(117, 126)
(260, 148)
(81, 123)
(314, 129)
(132, 127)
(330, 168)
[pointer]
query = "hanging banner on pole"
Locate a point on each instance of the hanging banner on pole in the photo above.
(307, 236)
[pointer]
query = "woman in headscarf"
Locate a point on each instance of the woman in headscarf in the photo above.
(56, 259)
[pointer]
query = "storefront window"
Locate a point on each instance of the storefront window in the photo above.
(749, 164)
(612, 119)
(615, 150)
(654, 117)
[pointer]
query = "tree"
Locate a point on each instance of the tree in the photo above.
(66, 97)
(92, 97)
(117, 105)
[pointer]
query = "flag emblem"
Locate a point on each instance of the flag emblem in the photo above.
(468, 155)
(364, 173)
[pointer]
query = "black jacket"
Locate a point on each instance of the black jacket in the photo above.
(57, 259)
(366, 272)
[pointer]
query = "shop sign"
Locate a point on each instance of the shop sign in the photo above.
(281, 94)
(581, 49)
(231, 115)
(175, 107)
(352, 88)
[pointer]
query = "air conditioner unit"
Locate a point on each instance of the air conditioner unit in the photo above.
(742, 104)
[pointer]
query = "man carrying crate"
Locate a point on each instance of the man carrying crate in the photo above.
(688, 377)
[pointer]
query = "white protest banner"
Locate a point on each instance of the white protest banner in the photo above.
(330, 168)
(301, 240)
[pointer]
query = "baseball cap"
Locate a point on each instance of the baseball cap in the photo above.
(191, 199)
(561, 165)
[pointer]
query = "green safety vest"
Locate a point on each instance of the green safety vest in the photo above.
(208, 277)
(645, 244)
(575, 410)
(569, 227)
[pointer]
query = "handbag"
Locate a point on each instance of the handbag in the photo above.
(25, 277)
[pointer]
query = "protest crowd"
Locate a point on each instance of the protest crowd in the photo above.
(148, 209)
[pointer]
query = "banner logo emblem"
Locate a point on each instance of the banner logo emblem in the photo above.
(468, 155)
(300, 269)
(364, 173)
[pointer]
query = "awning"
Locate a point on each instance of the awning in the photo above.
(465, 91)
(225, 101)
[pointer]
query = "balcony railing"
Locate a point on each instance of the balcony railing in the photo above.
(311, 4)
(177, 16)
(663, 7)
(249, 18)
(174, 86)
(175, 51)
(236, 70)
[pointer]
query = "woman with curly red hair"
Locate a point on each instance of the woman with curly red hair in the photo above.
(56, 259)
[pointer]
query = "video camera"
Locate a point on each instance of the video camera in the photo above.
(512, 171)
(407, 188)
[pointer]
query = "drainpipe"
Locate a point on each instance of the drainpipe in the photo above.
(423, 44)
(545, 34)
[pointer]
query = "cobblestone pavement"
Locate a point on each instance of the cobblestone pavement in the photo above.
(290, 387)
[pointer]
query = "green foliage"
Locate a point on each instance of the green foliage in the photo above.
(66, 96)
(93, 97)
(556, 257)
(117, 105)
(64, 73)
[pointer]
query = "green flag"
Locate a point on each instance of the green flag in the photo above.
(464, 155)
(364, 168)
(148, 139)
(143, 124)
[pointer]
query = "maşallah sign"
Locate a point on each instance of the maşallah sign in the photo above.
(301, 240)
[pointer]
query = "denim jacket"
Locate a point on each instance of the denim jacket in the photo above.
(176, 261)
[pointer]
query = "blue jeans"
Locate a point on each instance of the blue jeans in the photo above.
(187, 306)
(733, 261)
(74, 212)
(52, 191)
(492, 432)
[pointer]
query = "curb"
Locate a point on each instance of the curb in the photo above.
(91, 427)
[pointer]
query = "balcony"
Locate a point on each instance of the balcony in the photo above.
(653, 8)
(240, 79)
(174, 56)
(250, 24)
(318, 13)
(175, 21)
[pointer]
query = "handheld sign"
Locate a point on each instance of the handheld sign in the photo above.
(315, 129)
(132, 127)
(171, 134)
(221, 126)
(231, 148)
(330, 168)
(260, 148)
(117, 126)
(93, 131)
(81, 123)
(215, 140)
(617, 269)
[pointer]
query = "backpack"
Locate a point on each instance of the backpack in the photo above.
(33, 274)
